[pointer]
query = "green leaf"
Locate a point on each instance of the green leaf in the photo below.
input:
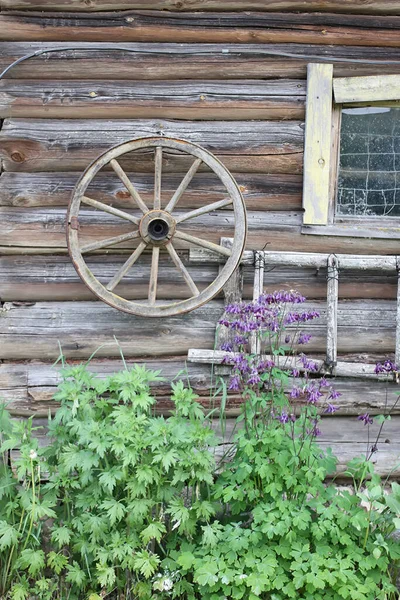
(32, 560)
(8, 535)
(106, 576)
(20, 591)
(146, 563)
(153, 531)
(61, 535)
(75, 575)
(185, 560)
(115, 510)
(207, 574)
(56, 561)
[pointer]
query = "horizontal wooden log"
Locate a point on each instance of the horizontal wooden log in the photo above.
(41, 231)
(235, 100)
(29, 387)
(83, 327)
(61, 145)
(389, 7)
(260, 192)
(153, 61)
(153, 26)
(41, 227)
(36, 278)
(345, 436)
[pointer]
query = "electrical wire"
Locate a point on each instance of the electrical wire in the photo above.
(328, 59)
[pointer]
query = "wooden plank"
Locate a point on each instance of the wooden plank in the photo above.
(30, 386)
(41, 277)
(384, 7)
(366, 89)
(236, 100)
(41, 227)
(356, 229)
(155, 26)
(60, 145)
(260, 191)
(332, 309)
(317, 144)
(40, 231)
(155, 61)
(83, 327)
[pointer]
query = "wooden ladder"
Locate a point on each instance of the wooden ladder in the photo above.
(334, 264)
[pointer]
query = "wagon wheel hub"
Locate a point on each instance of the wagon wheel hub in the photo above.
(163, 230)
(157, 227)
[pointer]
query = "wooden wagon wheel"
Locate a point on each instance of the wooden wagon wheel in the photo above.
(156, 228)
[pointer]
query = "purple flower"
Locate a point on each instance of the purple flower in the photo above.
(254, 378)
(283, 417)
(227, 347)
(264, 365)
(323, 383)
(313, 393)
(287, 339)
(295, 372)
(331, 409)
(387, 367)
(334, 394)
(308, 365)
(240, 340)
(304, 338)
(295, 392)
(234, 384)
(366, 418)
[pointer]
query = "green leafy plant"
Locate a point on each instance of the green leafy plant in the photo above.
(126, 504)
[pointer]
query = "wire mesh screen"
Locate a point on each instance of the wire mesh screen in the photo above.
(369, 165)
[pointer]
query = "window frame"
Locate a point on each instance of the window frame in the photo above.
(326, 96)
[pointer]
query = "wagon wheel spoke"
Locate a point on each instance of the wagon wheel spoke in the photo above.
(202, 243)
(157, 178)
(203, 210)
(154, 275)
(110, 242)
(129, 185)
(110, 209)
(125, 267)
(183, 185)
(181, 267)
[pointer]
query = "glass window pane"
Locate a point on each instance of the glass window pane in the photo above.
(369, 164)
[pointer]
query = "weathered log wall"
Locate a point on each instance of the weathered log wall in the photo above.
(229, 75)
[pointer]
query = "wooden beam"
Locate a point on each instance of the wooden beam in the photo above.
(60, 145)
(236, 100)
(366, 89)
(83, 327)
(210, 27)
(317, 147)
(30, 386)
(260, 192)
(384, 7)
(151, 61)
(32, 278)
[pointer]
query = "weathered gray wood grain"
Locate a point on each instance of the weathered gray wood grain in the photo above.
(82, 327)
(341, 6)
(61, 145)
(245, 27)
(260, 191)
(236, 100)
(189, 61)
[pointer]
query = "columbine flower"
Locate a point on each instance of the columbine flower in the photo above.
(227, 347)
(330, 409)
(234, 384)
(295, 392)
(304, 338)
(387, 367)
(366, 418)
(287, 339)
(254, 378)
(334, 394)
(32, 454)
(283, 417)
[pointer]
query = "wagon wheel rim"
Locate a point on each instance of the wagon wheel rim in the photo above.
(156, 228)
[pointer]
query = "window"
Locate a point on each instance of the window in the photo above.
(352, 154)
